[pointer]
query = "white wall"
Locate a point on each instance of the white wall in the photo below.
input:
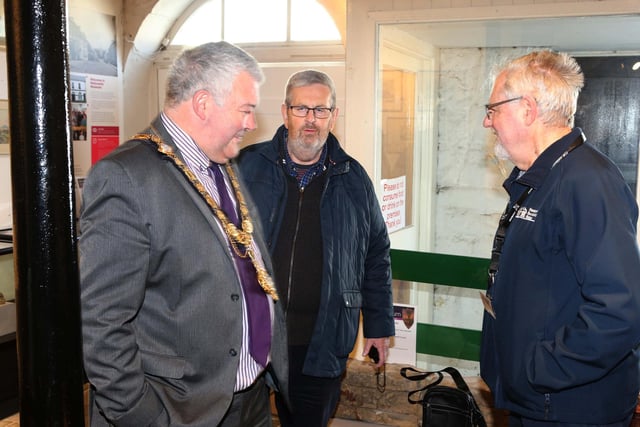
(469, 177)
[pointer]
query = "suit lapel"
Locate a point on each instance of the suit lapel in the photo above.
(173, 172)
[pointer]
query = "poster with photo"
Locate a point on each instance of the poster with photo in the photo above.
(92, 42)
(95, 87)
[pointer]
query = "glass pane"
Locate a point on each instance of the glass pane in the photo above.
(609, 111)
(398, 122)
(266, 22)
(204, 25)
(323, 28)
(459, 210)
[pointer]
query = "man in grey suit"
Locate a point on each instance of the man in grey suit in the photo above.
(169, 275)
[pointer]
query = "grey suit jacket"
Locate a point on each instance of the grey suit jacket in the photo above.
(161, 301)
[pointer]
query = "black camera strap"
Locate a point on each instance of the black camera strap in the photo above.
(498, 240)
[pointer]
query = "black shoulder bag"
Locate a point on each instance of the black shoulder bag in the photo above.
(444, 406)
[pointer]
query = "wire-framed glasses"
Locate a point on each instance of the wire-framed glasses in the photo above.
(490, 108)
(303, 110)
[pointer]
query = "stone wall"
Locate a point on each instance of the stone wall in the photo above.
(361, 400)
(469, 197)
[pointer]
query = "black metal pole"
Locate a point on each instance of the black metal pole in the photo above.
(47, 279)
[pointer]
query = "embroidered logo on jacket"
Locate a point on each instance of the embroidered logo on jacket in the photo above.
(528, 214)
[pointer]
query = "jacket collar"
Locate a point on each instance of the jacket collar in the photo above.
(539, 170)
(337, 158)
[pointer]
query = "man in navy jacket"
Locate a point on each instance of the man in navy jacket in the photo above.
(562, 320)
(329, 244)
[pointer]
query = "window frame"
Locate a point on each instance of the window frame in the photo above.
(194, 6)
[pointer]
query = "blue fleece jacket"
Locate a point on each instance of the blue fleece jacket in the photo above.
(563, 344)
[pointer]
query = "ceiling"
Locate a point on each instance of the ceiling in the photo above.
(573, 34)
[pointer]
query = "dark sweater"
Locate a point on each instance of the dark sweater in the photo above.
(299, 281)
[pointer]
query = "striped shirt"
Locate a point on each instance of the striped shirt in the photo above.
(198, 163)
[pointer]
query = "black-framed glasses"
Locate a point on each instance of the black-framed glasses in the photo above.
(489, 108)
(303, 110)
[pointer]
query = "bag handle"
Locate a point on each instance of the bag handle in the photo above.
(416, 375)
(457, 378)
(477, 417)
(413, 374)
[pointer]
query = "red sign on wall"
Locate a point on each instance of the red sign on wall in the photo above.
(103, 140)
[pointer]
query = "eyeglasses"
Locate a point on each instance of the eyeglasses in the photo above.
(303, 110)
(489, 108)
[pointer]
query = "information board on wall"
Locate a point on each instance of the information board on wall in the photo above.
(403, 348)
(95, 87)
(394, 202)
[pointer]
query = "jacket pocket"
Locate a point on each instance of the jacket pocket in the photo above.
(348, 321)
(352, 299)
(161, 365)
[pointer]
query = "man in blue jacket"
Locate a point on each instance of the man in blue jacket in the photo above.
(329, 244)
(562, 320)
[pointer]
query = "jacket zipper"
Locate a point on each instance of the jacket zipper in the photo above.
(547, 405)
(295, 235)
(293, 251)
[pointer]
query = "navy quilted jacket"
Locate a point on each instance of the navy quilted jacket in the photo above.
(356, 273)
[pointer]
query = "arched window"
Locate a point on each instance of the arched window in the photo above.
(255, 21)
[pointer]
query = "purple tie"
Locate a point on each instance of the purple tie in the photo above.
(255, 298)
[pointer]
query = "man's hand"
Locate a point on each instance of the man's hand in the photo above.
(381, 344)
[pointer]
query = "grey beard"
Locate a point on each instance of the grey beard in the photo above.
(500, 152)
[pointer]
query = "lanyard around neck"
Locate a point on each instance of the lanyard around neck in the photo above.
(510, 212)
